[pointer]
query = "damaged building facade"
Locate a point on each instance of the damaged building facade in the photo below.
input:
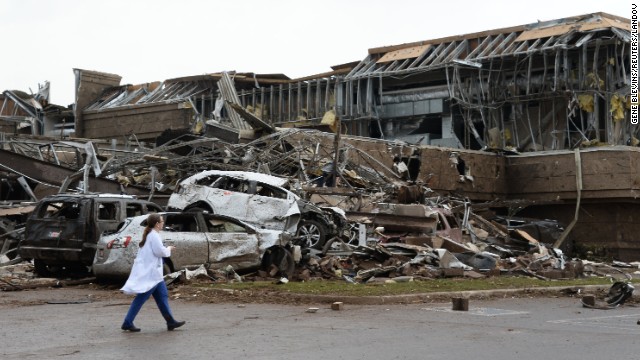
(551, 85)
(532, 117)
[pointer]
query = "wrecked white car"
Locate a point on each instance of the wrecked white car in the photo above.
(259, 199)
(215, 240)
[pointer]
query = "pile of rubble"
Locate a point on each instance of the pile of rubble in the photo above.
(399, 227)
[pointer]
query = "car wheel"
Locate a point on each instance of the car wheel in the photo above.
(166, 268)
(45, 270)
(313, 234)
(78, 270)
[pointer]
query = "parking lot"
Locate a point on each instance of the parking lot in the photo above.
(73, 323)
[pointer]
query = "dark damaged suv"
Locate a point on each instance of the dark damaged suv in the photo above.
(62, 231)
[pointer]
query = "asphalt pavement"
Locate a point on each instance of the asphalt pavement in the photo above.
(81, 323)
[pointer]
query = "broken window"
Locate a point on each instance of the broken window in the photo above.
(269, 191)
(221, 226)
(67, 210)
(179, 223)
(209, 181)
(107, 211)
(134, 210)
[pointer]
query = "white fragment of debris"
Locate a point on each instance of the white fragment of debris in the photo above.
(229, 270)
(190, 274)
(312, 309)
(283, 280)
(297, 254)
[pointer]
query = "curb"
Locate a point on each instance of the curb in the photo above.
(555, 291)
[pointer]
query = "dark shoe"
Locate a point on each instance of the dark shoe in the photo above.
(175, 325)
(131, 328)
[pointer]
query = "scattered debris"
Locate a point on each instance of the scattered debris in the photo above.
(618, 294)
(378, 156)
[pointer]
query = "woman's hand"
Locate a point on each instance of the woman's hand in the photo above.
(171, 247)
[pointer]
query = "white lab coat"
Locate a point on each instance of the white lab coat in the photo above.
(147, 267)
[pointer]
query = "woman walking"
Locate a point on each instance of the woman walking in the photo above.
(146, 276)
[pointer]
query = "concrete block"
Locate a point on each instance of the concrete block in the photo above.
(452, 272)
(493, 272)
(337, 305)
(553, 274)
(460, 304)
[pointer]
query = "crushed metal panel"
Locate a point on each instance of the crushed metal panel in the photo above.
(406, 53)
(238, 249)
(222, 132)
(55, 175)
(253, 120)
(228, 91)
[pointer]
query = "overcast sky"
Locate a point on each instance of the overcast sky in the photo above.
(154, 40)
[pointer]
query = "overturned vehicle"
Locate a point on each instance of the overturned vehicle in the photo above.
(261, 200)
(199, 238)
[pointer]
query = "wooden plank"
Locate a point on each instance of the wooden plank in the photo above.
(601, 23)
(604, 23)
(406, 53)
(546, 32)
(385, 49)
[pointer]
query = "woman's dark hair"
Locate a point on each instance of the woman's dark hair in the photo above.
(152, 220)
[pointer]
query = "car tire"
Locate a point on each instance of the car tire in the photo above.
(166, 268)
(44, 270)
(313, 234)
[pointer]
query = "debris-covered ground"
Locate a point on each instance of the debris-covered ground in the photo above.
(196, 286)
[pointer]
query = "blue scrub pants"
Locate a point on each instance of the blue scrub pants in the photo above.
(160, 295)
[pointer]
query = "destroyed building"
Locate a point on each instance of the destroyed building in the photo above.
(534, 117)
(550, 85)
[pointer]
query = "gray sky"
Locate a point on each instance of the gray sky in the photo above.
(154, 40)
